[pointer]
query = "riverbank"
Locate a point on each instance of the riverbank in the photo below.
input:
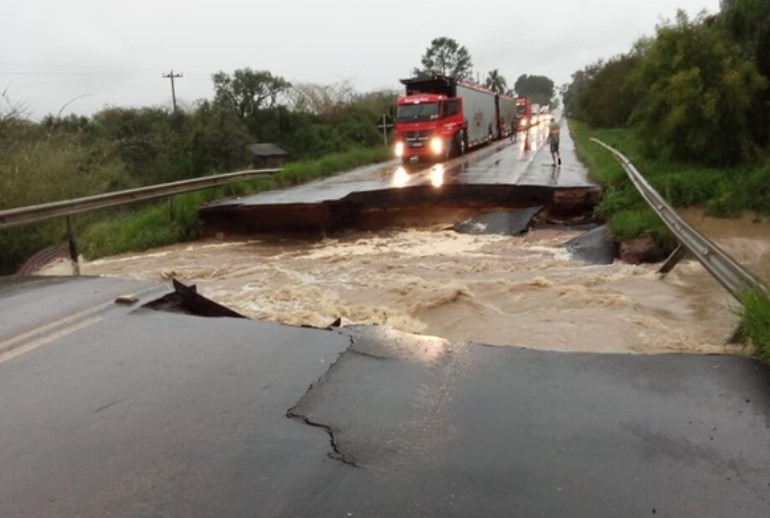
(737, 192)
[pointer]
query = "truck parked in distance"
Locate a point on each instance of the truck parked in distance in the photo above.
(524, 113)
(440, 117)
(506, 115)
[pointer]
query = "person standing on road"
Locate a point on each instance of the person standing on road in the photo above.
(553, 138)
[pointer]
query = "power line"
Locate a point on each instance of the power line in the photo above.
(73, 74)
(72, 66)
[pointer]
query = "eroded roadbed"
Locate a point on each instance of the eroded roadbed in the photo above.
(413, 206)
(165, 414)
(504, 176)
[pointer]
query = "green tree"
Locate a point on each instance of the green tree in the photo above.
(604, 94)
(445, 57)
(496, 82)
(247, 91)
(698, 89)
(217, 141)
(538, 88)
(748, 23)
(149, 141)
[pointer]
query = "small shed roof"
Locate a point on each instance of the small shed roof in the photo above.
(266, 149)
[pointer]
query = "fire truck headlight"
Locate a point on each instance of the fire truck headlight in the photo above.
(399, 149)
(523, 122)
(436, 145)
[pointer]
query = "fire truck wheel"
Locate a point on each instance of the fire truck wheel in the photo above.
(461, 143)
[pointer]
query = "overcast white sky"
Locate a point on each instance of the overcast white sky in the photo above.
(112, 53)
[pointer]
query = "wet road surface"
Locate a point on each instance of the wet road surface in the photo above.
(37, 309)
(146, 413)
(504, 174)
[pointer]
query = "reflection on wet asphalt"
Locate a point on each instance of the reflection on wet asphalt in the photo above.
(525, 161)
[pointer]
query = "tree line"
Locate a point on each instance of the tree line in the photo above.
(698, 91)
(117, 148)
(63, 157)
(446, 57)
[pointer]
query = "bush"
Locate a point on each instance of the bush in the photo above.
(755, 322)
(604, 94)
(699, 88)
(629, 224)
(757, 189)
(726, 205)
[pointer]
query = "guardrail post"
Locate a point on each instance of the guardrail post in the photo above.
(172, 207)
(673, 260)
(73, 245)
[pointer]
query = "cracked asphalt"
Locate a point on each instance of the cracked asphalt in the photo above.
(126, 411)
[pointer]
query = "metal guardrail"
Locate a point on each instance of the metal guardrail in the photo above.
(67, 208)
(734, 277)
(35, 213)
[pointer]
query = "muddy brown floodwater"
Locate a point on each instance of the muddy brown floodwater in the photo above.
(501, 290)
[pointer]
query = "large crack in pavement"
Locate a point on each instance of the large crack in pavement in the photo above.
(293, 413)
(364, 343)
(335, 454)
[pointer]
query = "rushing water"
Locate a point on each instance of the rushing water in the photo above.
(500, 290)
(746, 239)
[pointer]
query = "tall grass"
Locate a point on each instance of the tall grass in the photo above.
(629, 224)
(755, 322)
(746, 186)
(149, 227)
(627, 214)
(724, 192)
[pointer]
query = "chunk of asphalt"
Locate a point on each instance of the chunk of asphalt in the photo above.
(593, 247)
(186, 300)
(510, 223)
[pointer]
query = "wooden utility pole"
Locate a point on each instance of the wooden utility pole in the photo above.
(171, 75)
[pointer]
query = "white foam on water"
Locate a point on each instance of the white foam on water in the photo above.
(500, 290)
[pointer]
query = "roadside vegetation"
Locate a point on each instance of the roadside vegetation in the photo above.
(755, 323)
(128, 230)
(325, 129)
(690, 108)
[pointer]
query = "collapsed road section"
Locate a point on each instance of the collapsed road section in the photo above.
(506, 175)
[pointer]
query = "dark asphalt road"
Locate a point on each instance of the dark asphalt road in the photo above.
(145, 413)
(503, 175)
(524, 162)
(159, 414)
(35, 309)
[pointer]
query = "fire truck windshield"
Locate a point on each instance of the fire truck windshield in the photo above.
(521, 109)
(417, 112)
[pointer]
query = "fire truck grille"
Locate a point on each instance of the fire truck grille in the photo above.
(416, 138)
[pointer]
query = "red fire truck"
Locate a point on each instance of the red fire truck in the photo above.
(440, 117)
(524, 113)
